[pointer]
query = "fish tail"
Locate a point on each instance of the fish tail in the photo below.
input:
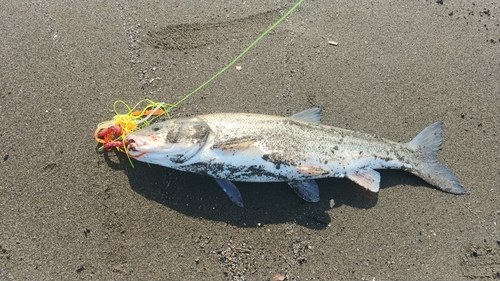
(429, 168)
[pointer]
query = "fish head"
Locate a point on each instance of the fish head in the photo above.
(169, 143)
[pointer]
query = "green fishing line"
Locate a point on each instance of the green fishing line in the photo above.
(240, 55)
(132, 119)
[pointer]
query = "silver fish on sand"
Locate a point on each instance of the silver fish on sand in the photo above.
(297, 150)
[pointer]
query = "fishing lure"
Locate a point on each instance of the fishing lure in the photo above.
(111, 134)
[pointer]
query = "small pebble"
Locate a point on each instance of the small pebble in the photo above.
(278, 277)
(332, 203)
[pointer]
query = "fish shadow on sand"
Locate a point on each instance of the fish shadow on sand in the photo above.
(265, 203)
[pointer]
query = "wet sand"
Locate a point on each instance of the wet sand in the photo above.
(68, 212)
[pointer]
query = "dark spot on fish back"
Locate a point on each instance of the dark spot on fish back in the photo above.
(200, 133)
(188, 132)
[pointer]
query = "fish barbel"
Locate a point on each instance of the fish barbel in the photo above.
(298, 149)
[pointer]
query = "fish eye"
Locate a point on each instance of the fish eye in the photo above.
(156, 128)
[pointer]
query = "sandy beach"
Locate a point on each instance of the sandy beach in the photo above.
(69, 212)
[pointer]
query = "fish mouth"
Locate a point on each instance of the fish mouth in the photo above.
(134, 143)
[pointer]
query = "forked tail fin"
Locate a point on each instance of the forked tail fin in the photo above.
(428, 168)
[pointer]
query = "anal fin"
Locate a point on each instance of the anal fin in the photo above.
(231, 191)
(367, 178)
(308, 190)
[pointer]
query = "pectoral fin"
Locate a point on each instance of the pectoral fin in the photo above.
(367, 178)
(231, 190)
(310, 170)
(234, 145)
(307, 190)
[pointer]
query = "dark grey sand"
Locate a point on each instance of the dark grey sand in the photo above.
(68, 212)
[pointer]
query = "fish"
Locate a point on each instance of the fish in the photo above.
(246, 147)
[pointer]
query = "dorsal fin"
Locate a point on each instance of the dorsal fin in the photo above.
(312, 115)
